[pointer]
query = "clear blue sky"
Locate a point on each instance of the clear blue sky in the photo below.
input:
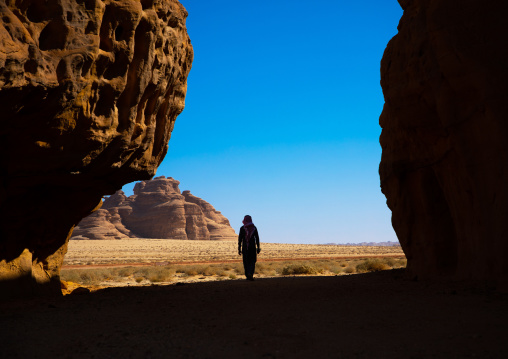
(281, 118)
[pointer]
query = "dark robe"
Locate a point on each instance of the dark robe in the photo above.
(249, 253)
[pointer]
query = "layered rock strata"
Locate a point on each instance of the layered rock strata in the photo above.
(444, 166)
(157, 209)
(89, 93)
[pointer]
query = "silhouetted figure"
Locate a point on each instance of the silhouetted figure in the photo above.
(248, 246)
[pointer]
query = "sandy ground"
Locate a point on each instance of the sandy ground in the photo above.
(88, 252)
(375, 315)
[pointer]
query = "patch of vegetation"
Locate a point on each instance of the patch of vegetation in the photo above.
(298, 269)
(170, 273)
(350, 270)
(371, 265)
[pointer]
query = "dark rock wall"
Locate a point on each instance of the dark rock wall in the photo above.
(444, 166)
(89, 93)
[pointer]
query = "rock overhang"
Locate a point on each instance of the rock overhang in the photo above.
(89, 92)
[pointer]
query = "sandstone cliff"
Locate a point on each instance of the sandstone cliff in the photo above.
(157, 209)
(444, 165)
(89, 93)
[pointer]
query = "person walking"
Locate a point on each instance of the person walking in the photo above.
(248, 246)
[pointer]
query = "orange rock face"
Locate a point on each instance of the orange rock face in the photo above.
(444, 167)
(89, 93)
(157, 209)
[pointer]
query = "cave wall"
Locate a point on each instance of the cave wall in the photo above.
(89, 93)
(444, 166)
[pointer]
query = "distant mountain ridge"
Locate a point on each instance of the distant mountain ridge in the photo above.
(157, 209)
(379, 244)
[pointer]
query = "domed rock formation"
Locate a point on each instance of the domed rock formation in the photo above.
(444, 166)
(156, 210)
(89, 93)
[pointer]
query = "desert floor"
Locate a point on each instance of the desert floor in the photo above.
(152, 251)
(374, 315)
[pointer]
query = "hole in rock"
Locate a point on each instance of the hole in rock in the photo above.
(31, 66)
(106, 42)
(42, 10)
(91, 28)
(105, 101)
(53, 36)
(119, 67)
(101, 64)
(118, 33)
(61, 71)
(159, 42)
(87, 63)
(146, 4)
(173, 22)
(77, 64)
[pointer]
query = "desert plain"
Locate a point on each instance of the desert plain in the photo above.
(97, 264)
(153, 251)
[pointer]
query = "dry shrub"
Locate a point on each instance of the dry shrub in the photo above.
(265, 269)
(390, 262)
(400, 263)
(237, 268)
(163, 274)
(350, 270)
(298, 269)
(231, 270)
(86, 277)
(270, 273)
(70, 275)
(372, 265)
(126, 272)
(106, 273)
(335, 269)
(208, 271)
(190, 271)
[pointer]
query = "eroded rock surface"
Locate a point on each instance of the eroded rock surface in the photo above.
(444, 167)
(157, 209)
(89, 93)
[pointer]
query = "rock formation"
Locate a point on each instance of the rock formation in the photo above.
(89, 93)
(444, 167)
(156, 210)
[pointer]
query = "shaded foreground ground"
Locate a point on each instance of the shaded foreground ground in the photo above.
(375, 315)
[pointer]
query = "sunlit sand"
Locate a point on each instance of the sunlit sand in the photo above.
(89, 252)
